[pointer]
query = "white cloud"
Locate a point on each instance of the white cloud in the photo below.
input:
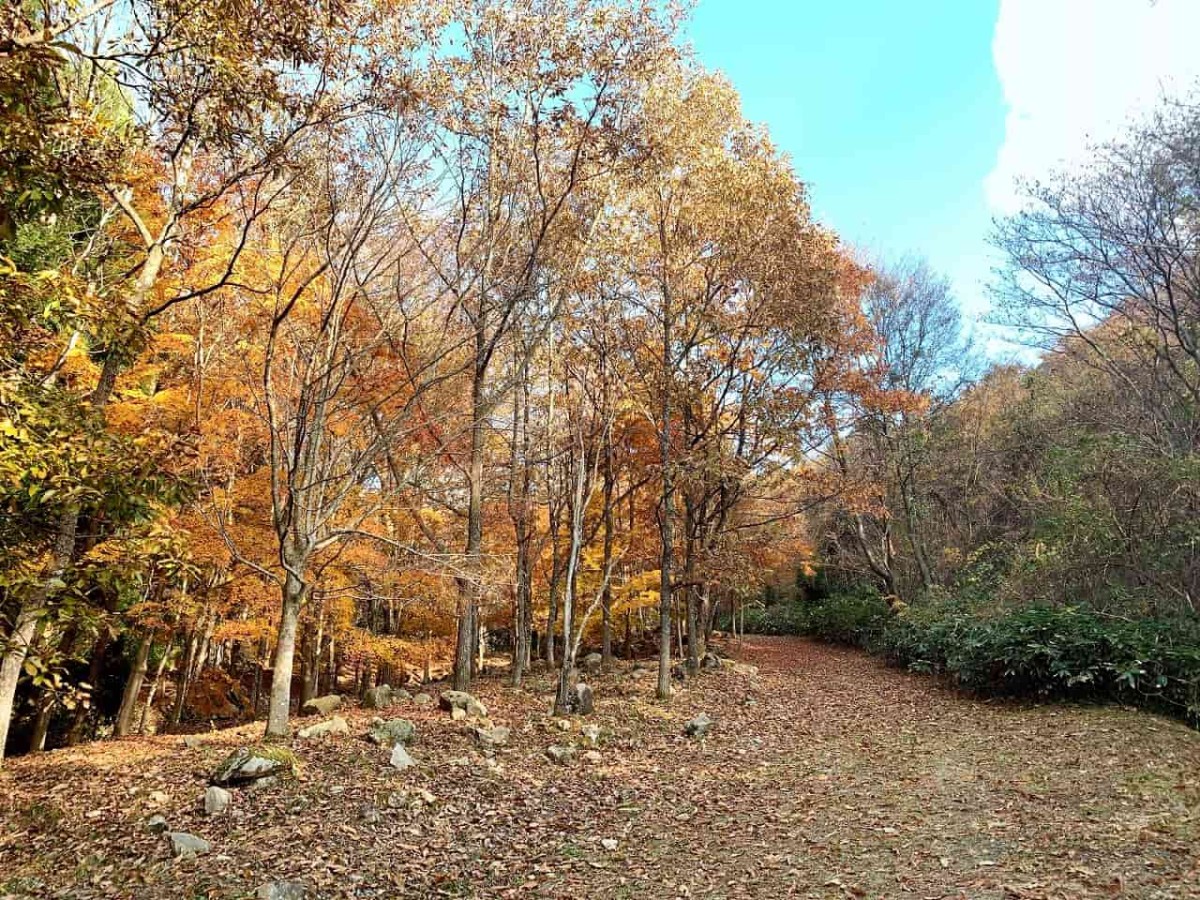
(1075, 71)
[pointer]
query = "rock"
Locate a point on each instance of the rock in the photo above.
(336, 725)
(744, 669)
(591, 735)
(156, 824)
(698, 727)
(458, 714)
(281, 890)
(562, 724)
(560, 754)
(453, 700)
(491, 738)
(710, 661)
(400, 694)
(371, 815)
(391, 732)
(184, 845)
(380, 697)
(422, 700)
(158, 798)
(322, 706)
(262, 784)
(244, 766)
(593, 757)
(193, 741)
(216, 800)
(593, 662)
(609, 843)
(582, 700)
(400, 759)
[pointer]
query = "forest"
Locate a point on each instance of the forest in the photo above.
(380, 344)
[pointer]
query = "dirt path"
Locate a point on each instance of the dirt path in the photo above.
(826, 775)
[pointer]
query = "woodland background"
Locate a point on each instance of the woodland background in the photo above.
(385, 340)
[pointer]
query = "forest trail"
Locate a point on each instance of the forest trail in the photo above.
(826, 775)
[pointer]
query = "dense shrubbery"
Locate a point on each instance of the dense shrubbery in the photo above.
(1030, 651)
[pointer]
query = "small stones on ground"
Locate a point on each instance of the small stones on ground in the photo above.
(593, 757)
(592, 662)
(336, 725)
(562, 724)
(391, 732)
(422, 700)
(216, 800)
(156, 824)
(698, 727)
(400, 759)
(591, 735)
(322, 706)
(281, 890)
(609, 843)
(561, 754)
(452, 700)
(185, 846)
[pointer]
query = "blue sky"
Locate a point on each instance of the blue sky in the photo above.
(909, 120)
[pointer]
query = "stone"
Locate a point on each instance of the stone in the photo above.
(582, 700)
(391, 732)
(710, 661)
(491, 738)
(458, 714)
(591, 735)
(322, 706)
(400, 759)
(453, 700)
(422, 700)
(193, 741)
(262, 784)
(593, 662)
(380, 697)
(281, 890)
(158, 798)
(639, 674)
(400, 694)
(336, 725)
(216, 800)
(156, 824)
(560, 754)
(593, 757)
(244, 766)
(371, 815)
(698, 727)
(609, 843)
(184, 845)
(744, 669)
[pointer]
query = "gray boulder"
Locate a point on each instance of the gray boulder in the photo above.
(400, 694)
(216, 800)
(593, 662)
(185, 846)
(491, 738)
(591, 735)
(391, 732)
(561, 754)
(245, 766)
(710, 661)
(452, 700)
(378, 697)
(156, 824)
(336, 725)
(422, 699)
(322, 706)
(400, 759)
(582, 700)
(281, 890)
(698, 727)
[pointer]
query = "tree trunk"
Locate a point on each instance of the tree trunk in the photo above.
(667, 522)
(285, 653)
(133, 688)
(154, 683)
(470, 586)
(606, 563)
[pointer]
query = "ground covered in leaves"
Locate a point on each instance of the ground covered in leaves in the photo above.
(826, 775)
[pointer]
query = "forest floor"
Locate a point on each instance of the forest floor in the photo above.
(826, 775)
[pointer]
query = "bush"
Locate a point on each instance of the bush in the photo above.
(1031, 651)
(778, 618)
